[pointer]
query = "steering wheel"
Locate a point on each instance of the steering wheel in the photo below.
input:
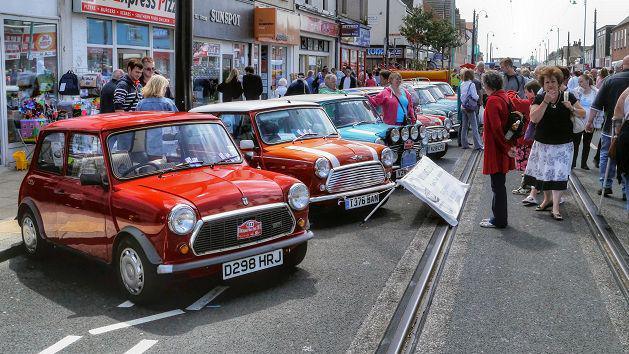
(137, 167)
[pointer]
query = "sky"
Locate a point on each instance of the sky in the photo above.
(518, 26)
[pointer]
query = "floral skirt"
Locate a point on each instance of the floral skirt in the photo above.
(522, 156)
(548, 166)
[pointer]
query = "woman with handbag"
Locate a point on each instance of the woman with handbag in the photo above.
(469, 107)
(396, 102)
(549, 163)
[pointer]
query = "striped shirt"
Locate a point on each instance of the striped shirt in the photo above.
(127, 94)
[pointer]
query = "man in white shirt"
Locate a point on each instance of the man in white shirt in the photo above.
(573, 83)
(348, 81)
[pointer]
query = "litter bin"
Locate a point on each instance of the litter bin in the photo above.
(21, 163)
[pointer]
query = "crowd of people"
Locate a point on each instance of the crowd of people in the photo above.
(559, 111)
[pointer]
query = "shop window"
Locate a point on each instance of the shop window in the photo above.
(85, 155)
(131, 34)
(163, 38)
(205, 72)
(164, 64)
(240, 56)
(30, 60)
(50, 157)
(99, 31)
(100, 60)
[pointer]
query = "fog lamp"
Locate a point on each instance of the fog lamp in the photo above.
(184, 248)
(301, 223)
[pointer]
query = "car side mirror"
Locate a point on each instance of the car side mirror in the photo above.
(246, 145)
(93, 179)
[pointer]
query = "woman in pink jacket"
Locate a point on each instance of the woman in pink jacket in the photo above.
(396, 102)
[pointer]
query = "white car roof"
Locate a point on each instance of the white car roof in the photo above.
(322, 97)
(247, 106)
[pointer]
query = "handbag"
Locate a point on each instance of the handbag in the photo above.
(470, 104)
(578, 125)
(599, 119)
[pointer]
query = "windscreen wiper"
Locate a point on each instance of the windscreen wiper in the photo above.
(181, 165)
(304, 135)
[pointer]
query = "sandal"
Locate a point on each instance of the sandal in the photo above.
(529, 201)
(543, 208)
(556, 216)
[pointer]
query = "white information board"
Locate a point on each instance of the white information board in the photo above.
(437, 188)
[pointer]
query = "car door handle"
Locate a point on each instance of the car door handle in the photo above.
(59, 191)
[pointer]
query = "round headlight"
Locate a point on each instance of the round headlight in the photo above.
(322, 167)
(414, 132)
(182, 219)
(432, 135)
(444, 134)
(448, 123)
(394, 135)
(380, 141)
(404, 133)
(388, 157)
(422, 132)
(426, 139)
(298, 196)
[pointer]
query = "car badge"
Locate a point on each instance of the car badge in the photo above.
(245, 201)
(249, 229)
(356, 157)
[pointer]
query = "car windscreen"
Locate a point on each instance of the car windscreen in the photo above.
(445, 89)
(289, 124)
(436, 93)
(425, 96)
(352, 112)
(152, 150)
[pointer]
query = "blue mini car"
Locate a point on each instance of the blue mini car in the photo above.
(356, 119)
(425, 97)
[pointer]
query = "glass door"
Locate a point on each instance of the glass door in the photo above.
(126, 54)
(228, 64)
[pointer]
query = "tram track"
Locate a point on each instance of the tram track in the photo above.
(405, 326)
(613, 251)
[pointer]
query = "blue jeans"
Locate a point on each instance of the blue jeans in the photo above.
(625, 179)
(470, 119)
(605, 159)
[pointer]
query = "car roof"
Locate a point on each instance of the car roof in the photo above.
(120, 120)
(324, 97)
(247, 106)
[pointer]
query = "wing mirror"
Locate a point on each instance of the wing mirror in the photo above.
(246, 145)
(94, 179)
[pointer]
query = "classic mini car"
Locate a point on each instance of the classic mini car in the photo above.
(429, 105)
(435, 141)
(446, 89)
(298, 139)
(159, 196)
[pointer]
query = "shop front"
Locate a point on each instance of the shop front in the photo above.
(354, 41)
(223, 37)
(277, 36)
(400, 57)
(317, 46)
(30, 62)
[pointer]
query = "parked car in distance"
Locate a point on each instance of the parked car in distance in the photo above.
(158, 196)
(446, 89)
(429, 105)
(435, 141)
(298, 139)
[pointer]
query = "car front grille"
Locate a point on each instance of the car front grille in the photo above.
(221, 233)
(355, 176)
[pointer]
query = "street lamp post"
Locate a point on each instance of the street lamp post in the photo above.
(474, 31)
(487, 42)
(551, 29)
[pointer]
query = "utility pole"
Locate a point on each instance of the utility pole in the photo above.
(585, 15)
(474, 24)
(386, 36)
(594, 43)
(568, 53)
(183, 61)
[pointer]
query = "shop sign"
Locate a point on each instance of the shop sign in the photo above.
(273, 25)
(43, 45)
(223, 19)
(350, 30)
(395, 52)
(315, 25)
(376, 52)
(362, 39)
(152, 11)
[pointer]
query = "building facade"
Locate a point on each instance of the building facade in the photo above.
(619, 40)
(319, 34)
(355, 36)
(603, 52)
(400, 53)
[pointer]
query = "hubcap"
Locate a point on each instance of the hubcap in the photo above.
(131, 271)
(29, 235)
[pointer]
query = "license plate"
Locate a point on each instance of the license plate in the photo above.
(399, 173)
(252, 264)
(360, 201)
(436, 148)
(408, 144)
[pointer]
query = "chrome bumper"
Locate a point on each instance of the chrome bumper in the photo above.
(439, 142)
(352, 193)
(174, 268)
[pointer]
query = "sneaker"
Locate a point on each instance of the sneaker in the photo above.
(487, 224)
(529, 201)
(608, 191)
(521, 191)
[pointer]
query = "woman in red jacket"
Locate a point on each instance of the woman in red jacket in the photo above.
(499, 153)
(396, 102)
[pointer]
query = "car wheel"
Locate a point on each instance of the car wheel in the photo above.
(136, 275)
(439, 154)
(34, 245)
(296, 256)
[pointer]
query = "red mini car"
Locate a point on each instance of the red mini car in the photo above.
(156, 194)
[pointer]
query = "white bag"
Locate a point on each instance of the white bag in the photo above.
(578, 125)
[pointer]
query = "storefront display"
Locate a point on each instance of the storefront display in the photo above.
(318, 43)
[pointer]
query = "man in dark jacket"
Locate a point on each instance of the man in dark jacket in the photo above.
(298, 87)
(348, 81)
(128, 90)
(107, 93)
(251, 84)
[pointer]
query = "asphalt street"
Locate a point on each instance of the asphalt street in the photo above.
(68, 302)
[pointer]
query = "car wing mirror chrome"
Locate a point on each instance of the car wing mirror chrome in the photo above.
(246, 145)
(93, 179)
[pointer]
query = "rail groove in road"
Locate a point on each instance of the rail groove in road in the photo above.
(613, 251)
(410, 314)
